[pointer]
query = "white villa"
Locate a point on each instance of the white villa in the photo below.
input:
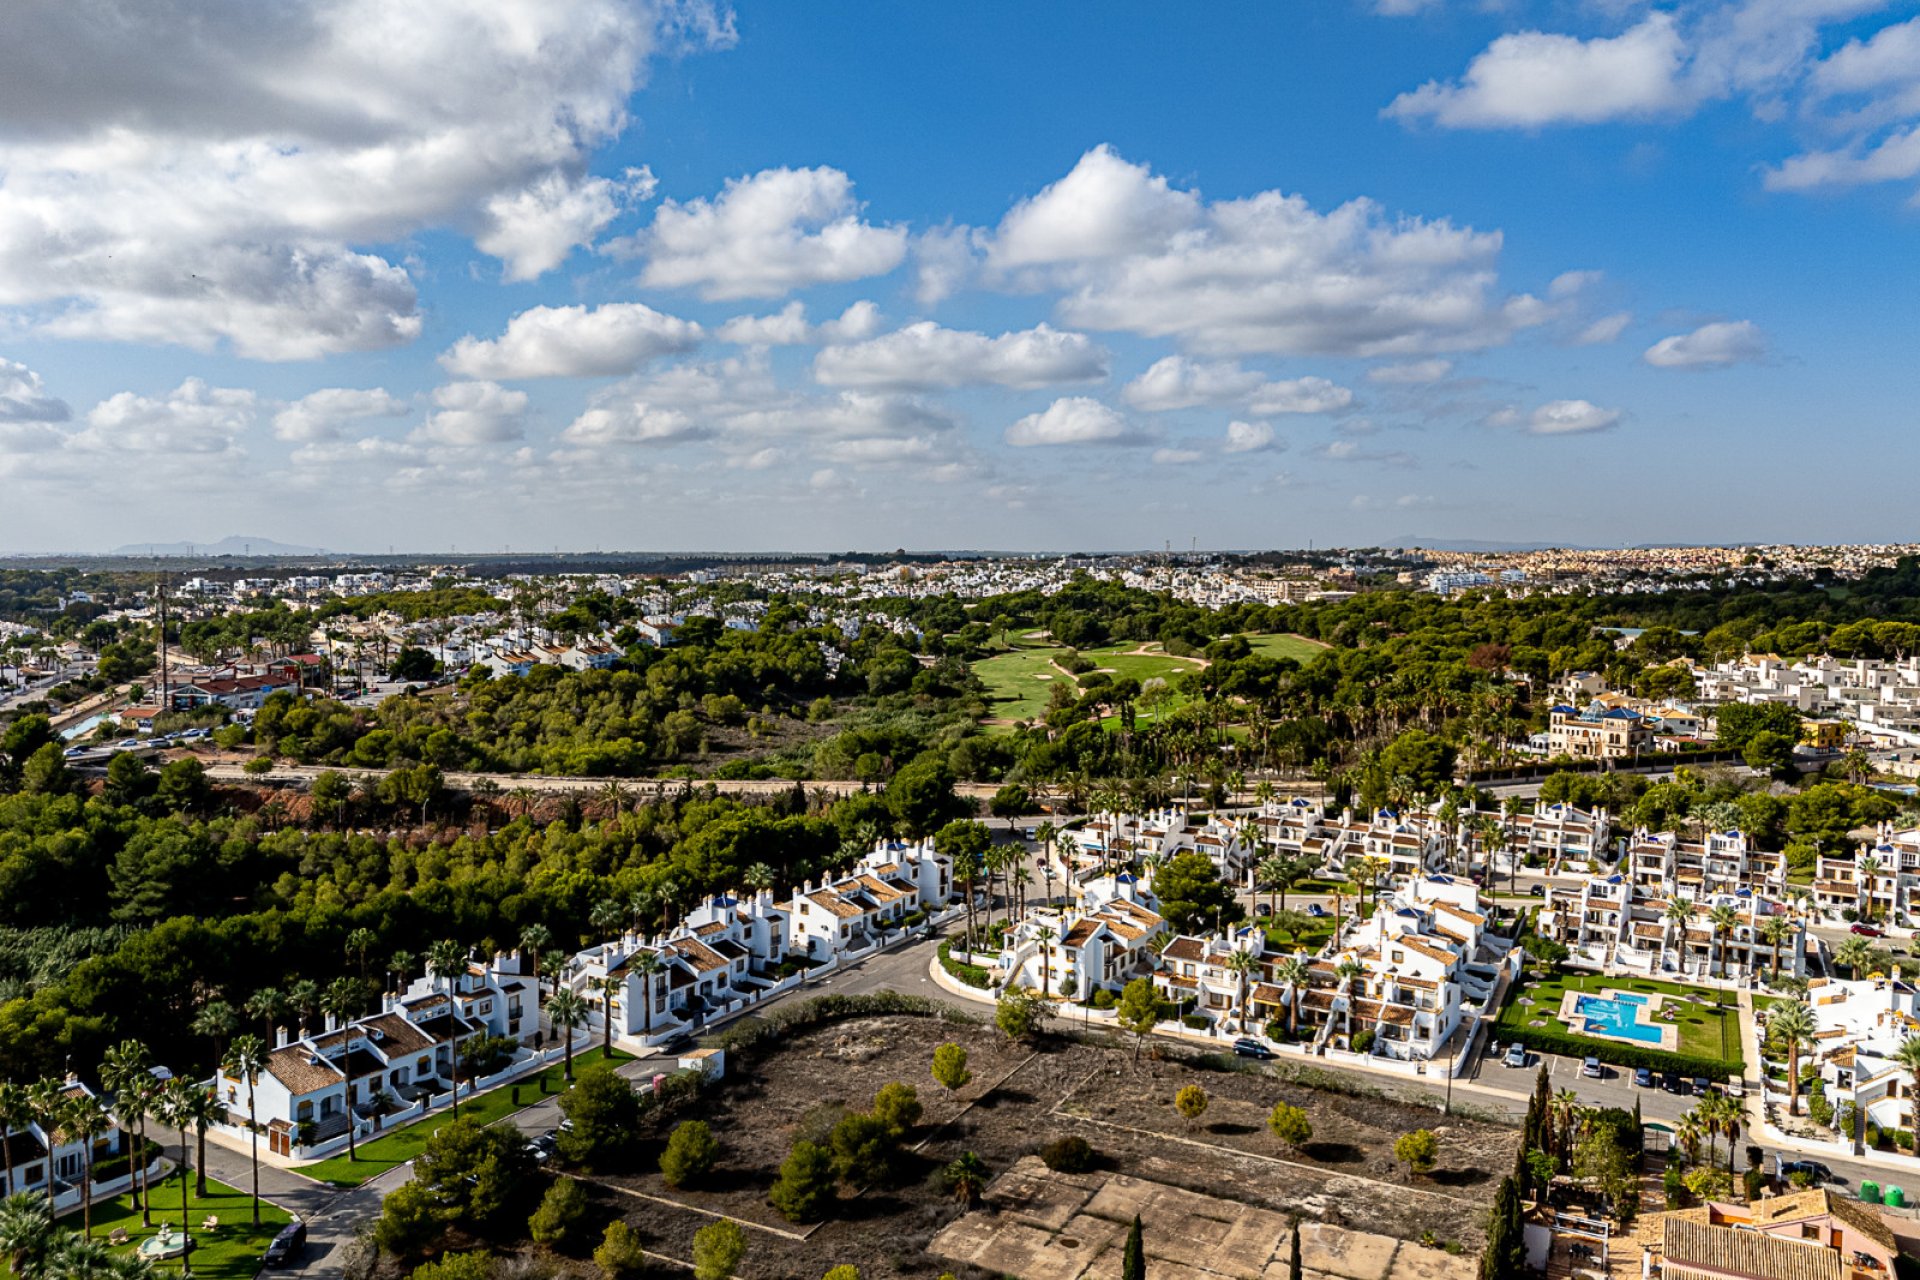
(1104, 941)
(44, 1160)
(1860, 1024)
(1882, 877)
(310, 1082)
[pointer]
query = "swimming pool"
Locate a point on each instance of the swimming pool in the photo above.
(1619, 1016)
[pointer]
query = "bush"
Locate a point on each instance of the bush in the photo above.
(562, 1212)
(805, 1187)
(1071, 1154)
(619, 1254)
(950, 1067)
(606, 1118)
(456, 1266)
(1104, 999)
(691, 1153)
(1195, 1022)
(897, 1106)
(1362, 1041)
(863, 1150)
(1419, 1150)
(1191, 1103)
(1290, 1124)
(972, 974)
(717, 1249)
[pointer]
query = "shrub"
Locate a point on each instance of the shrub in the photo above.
(1363, 1041)
(950, 1067)
(691, 1153)
(1419, 1150)
(717, 1249)
(863, 1149)
(972, 975)
(1191, 1103)
(805, 1187)
(1020, 1014)
(560, 1215)
(456, 1266)
(619, 1254)
(1290, 1124)
(897, 1106)
(1104, 999)
(1195, 1022)
(606, 1118)
(842, 1272)
(1071, 1154)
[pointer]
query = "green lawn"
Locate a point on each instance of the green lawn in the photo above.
(229, 1252)
(377, 1155)
(1019, 683)
(1705, 1031)
(1299, 648)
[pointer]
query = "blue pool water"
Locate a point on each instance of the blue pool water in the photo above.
(1618, 1016)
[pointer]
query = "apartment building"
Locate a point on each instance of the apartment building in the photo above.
(851, 912)
(1103, 940)
(1719, 862)
(1880, 878)
(43, 1159)
(1110, 840)
(1614, 733)
(1860, 1025)
(1613, 923)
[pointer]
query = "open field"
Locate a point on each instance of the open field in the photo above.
(1705, 1031)
(1299, 648)
(1020, 1098)
(377, 1155)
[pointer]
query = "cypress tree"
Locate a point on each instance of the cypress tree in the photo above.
(1506, 1253)
(1133, 1263)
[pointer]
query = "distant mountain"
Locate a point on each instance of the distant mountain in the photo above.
(1471, 545)
(232, 545)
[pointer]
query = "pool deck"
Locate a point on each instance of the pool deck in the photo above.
(1648, 1003)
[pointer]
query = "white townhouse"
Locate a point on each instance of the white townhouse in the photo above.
(1611, 923)
(724, 953)
(311, 1083)
(1720, 862)
(1859, 1026)
(1410, 844)
(46, 1160)
(1102, 941)
(1881, 876)
(851, 912)
(1554, 835)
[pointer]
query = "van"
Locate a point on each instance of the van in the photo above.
(288, 1245)
(1736, 1087)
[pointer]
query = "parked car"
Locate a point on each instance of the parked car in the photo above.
(1537, 890)
(288, 1245)
(1702, 1086)
(676, 1045)
(542, 1148)
(1812, 1168)
(1315, 909)
(1516, 1056)
(1262, 909)
(1643, 1077)
(1592, 1069)
(1868, 931)
(1673, 1083)
(1248, 1047)
(1736, 1087)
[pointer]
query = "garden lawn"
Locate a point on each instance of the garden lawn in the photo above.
(229, 1252)
(377, 1155)
(1705, 1031)
(1299, 648)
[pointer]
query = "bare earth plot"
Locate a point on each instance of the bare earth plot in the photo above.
(1042, 1225)
(1020, 1099)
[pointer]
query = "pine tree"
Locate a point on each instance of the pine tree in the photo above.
(1133, 1263)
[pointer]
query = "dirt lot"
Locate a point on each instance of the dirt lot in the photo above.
(1019, 1099)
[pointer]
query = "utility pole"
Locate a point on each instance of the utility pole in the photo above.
(160, 586)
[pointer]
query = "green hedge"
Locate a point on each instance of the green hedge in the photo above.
(1552, 1040)
(972, 974)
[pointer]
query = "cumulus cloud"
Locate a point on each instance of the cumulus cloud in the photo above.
(1570, 417)
(1404, 502)
(1073, 420)
(1175, 382)
(630, 421)
(468, 414)
(1532, 78)
(765, 235)
(573, 342)
(1251, 437)
(924, 356)
(1267, 274)
(23, 398)
(1411, 373)
(1711, 346)
(207, 173)
(1354, 451)
(1604, 330)
(324, 414)
(1176, 457)
(193, 418)
(788, 327)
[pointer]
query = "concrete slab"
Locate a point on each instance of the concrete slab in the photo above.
(1347, 1254)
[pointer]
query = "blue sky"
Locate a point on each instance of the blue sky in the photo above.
(598, 273)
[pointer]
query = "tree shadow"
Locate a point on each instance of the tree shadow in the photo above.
(1332, 1152)
(1458, 1177)
(1229, 1129)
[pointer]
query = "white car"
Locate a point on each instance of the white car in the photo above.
(1516, 1056)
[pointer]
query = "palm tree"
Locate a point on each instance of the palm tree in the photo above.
(1243, 964)
(609, 988)
(400, 966)
(246, 1058)
(967, 1175)
(567, 1011)
(759, 876)
(644, 964)
(303, 998)
(1045, 933)
(127, 1071)
(1679, 911)
(16, 1112)
(1724, 920)
(203, 1108)
(1688, 1132)
(174, 1106)
(342, 1001)
(1776, 931)
(359, 943)
(1908, 1056)
(1563, 1108)
(534, 939)
(1794, 1023)
(1864, 870)
(1294, 974)
(1853, 951)
(608, 917)
(27, 1233)
(446, 961)
(72, 1258)
(84, 1120)
(216, 1021)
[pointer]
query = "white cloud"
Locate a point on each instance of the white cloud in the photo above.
(205, 173)
(1267, 274)
(1402, 8)
(1711, 346)
(766, 235)
(1528, 79)
(1570, 417)
(788, 327)
(467, 414)
(632, 422)
(1893, 158)
(944, 258)
(1073, 420)
(23, 398)
(1569, 283)
(1604, 330)
(924, 356)
(573, 342)
(194, 418)
(1175, 382)
(1411, 373)
(533, 229)
(1251, 437)
(1176, 457)
(1354, 451)
(1405, 502)
(320, 415)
